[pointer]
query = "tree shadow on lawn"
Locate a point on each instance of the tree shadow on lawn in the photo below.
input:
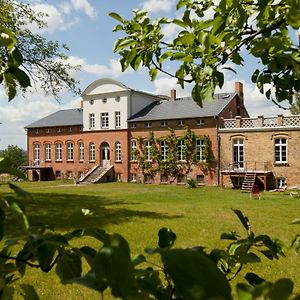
(64, 212)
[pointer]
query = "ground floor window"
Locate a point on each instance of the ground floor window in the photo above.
(57, 174)
(133, 177)
(148, 178)
(181, 179)
(200, 179)
(118, 177)
(280, 182)
(237, 182)
(164, 178)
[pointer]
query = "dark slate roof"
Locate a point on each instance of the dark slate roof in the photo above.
(183, 108)
(66, 117)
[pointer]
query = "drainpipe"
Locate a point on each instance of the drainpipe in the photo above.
(218, 150)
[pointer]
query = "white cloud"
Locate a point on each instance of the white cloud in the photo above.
(85, 6)
(154, 6)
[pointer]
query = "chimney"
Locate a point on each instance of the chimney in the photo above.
(173, 94)
(81, 104)
(239, 89)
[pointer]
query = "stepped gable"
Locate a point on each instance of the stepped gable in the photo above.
(183, 108)
(66, 117)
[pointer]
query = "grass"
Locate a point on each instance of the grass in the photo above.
(198, 216)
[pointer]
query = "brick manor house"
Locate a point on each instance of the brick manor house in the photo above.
(102, 140)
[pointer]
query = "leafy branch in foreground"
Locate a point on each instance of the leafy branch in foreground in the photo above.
(204, 47)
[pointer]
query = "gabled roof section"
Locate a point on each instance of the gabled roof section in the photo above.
(66, 117)
(183, 108)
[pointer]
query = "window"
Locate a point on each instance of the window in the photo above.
(118, 151)
(180, 123)
(91, 102)
(147, 178)
(36, 154)
(200, 179)
(36, 131)
(117, 119)
(70, 129)
(281, 151)
(91, 121)
(238, 153)
(47, 151)
(180, 150)
(81, 151)
(133, 125)
(200, 122)
(164, 178)
(80, 128)
(181, 179)
(58, 129)
(280, 183)
(118, 177)
(48, 130)
(148, 125)
(164, 124)
(58, 151)
(133, 150)
(69, 151)
(163, 150)
(118, 99)
(104, 120)
(147, 150)
(104, 100)
(200, 148)
(58, 174)
(133, 177)
(92, 152)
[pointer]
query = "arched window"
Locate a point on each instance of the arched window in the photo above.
(280, 148)
(147, 150)
(92, 152)
(164, 150)
(238, 153)
(36, 154)
(133, 150)
(58, 151)
(70, 151)
(81, 151)
(118, 151)
(47, 151)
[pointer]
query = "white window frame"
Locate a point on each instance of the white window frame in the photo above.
(92, 152)
(47, 151)
(104, 120)
(91, 121)
(70, 151)
(133, 125)
(280, 150)
(238, 155)
(148, 124)
(133, 144)
(118, 152)
(180, 123)
(164, 150)
(164, 124)
(147, 144)
(58, 152)
(117, 119)
(36, 153)
(200, 147)
(180, 150)
(81, 151)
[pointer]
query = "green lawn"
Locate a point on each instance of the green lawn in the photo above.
(198, 216)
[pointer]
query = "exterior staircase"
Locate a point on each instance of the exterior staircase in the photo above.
(98, 174)
(248, 182)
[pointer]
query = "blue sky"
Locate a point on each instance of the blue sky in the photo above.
(84, 25)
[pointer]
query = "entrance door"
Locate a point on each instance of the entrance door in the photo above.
(105, 155)
(238, 154)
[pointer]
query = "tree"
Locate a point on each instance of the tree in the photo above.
(27, 58)
(16, 155)
(295, 108)
(204, 46)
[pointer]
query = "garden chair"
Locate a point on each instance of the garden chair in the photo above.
(255, 193)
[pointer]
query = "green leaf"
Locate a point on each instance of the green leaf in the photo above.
(229, 236)
(45, 254)
(196, 94)
(139, 259)
(7, 38)
(282, 290)
(68, 266)
(114, 260)
(22, 77)
(254, 279)
(244, 291)
(153, 73)
(10, 85)
(20, 192)
(296, 221)
(15, 59)
(166, 237)
(250, 258)
(195, 276)
(2, 218)
(28, 292)
(244, 220)
(116, 17)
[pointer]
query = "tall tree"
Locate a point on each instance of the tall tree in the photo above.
(295, 108)
(40, 61)
(203, 46)
(16, 155)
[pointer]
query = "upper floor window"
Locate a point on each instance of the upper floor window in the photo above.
(104, 120)
(200, 122)
(36, 154)
(104, 100)
(180, 149)
(70, 129)
(58, 151)
(48, 130)
(91, 102)
(280, 150)
(118, 151)
(200, 148)
(164, 124)
(69, 151)
(133, 150)
(238, 153)
(163, 150)
(147, 150)
(180, 123)
(81, 151)
(117, 119)
(47, 151)
(133, 125)
(148, 125)
(36, 131)
(80, 128)
(58, 129)
(92, 152)
(118, 98)
(92, 121)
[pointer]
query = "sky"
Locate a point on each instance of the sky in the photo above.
(84, 25)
